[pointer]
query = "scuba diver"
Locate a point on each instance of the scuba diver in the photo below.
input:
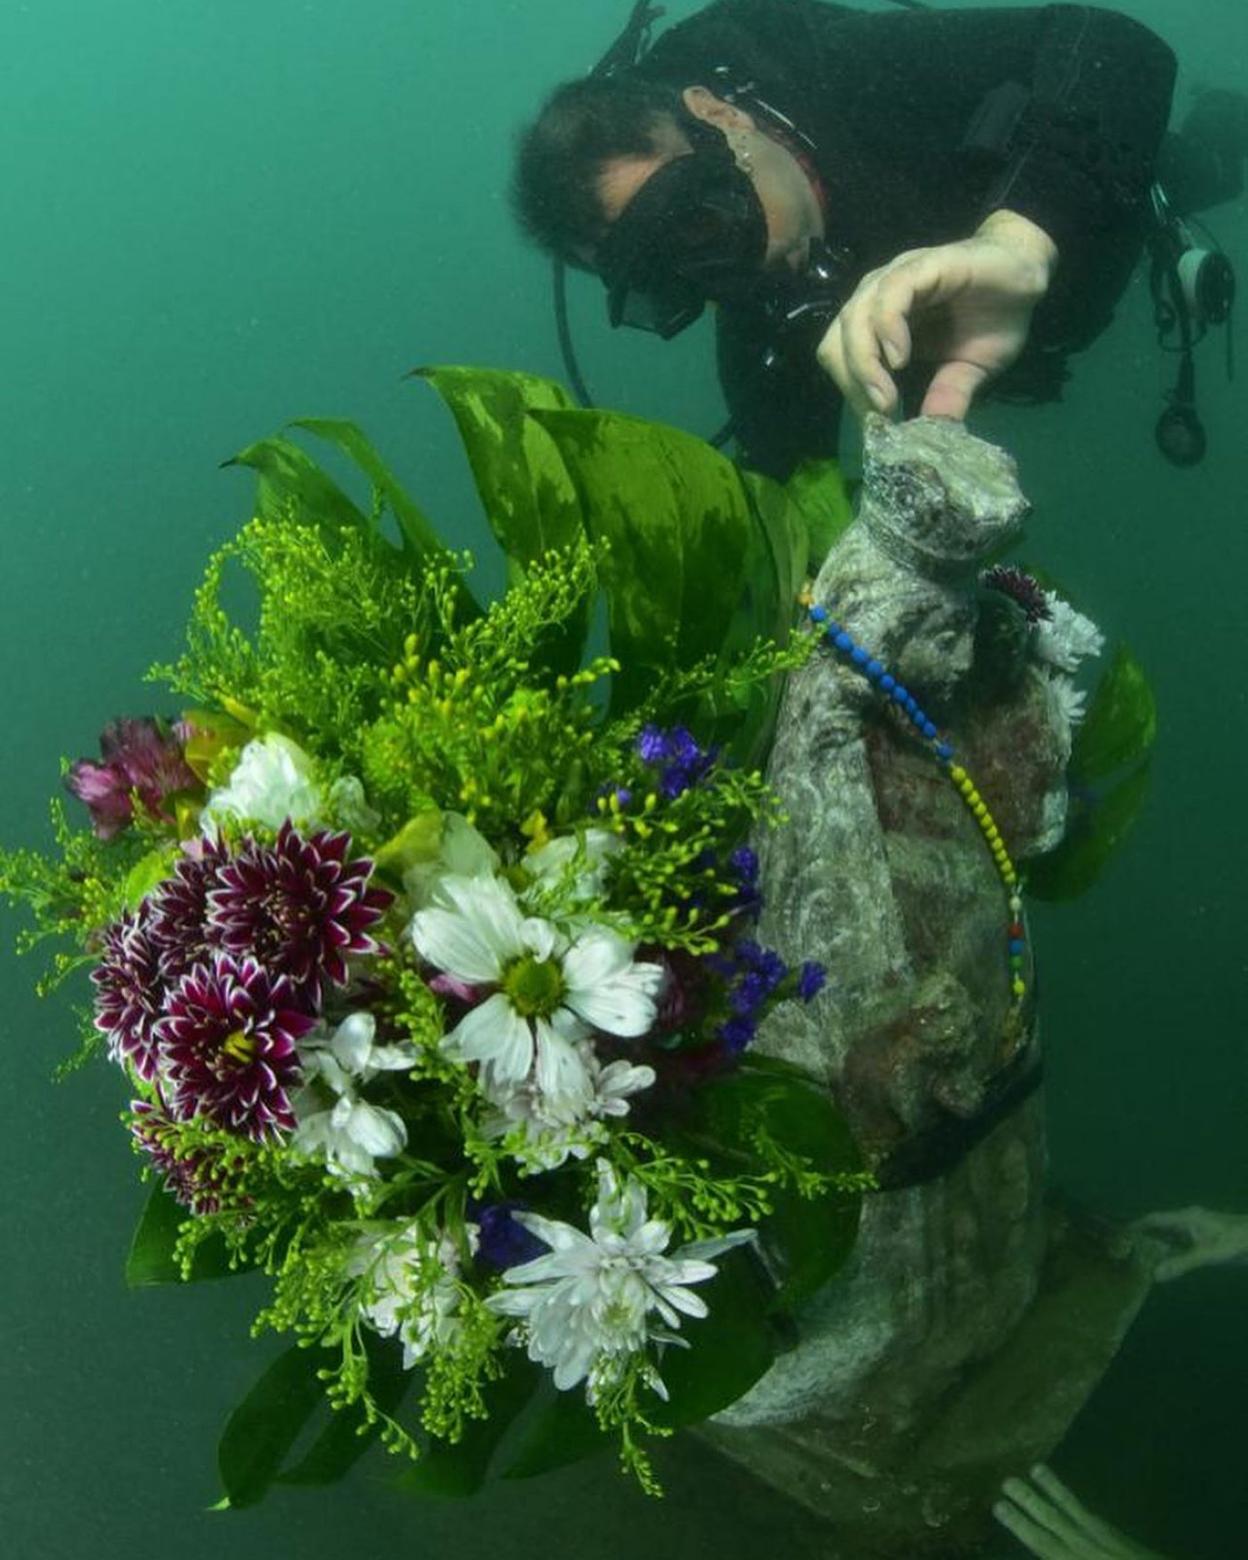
(899, 209)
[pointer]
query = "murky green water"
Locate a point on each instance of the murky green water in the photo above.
(220, 216)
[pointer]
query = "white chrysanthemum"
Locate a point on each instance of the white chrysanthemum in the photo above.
(552, 990)
(557, 1128)
(332, 1119)
(1066, 637)
(585, 1306)
(413, 1283)
(463, 851)
(271, 782)
(588, 853)
(1067, 700)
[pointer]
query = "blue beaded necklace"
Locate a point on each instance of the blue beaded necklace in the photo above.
(863, 662)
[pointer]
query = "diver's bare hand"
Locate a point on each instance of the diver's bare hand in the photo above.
(1047, 1520)
(1199, 1238)
(966, 306)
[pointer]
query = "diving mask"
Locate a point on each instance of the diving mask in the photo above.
(694, 232)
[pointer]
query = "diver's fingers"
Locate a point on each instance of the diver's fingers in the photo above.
(1042, 1511)
(1030, 1534)
(1175, 1223)
(833, 360)
(1176, 1267)
(864, 351)
(952, 389)
(1045, 1479)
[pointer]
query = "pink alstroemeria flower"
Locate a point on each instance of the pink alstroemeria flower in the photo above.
(140, 755)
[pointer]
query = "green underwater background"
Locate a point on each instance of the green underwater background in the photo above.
(218, 218)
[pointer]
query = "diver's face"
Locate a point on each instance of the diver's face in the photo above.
(789, 204)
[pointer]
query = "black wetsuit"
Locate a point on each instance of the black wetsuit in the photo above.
(916, 142)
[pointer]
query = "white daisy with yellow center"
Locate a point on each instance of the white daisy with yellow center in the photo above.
(551, 990)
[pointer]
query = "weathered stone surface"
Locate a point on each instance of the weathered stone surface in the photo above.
(884, 877)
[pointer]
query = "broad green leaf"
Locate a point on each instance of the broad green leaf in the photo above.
(459, 1469)
(1121, 723)
(729, 1349)
(348, 1435)
(289, 476)
(150, 1260)
(266, 1424)
(774, 573)
(528, 496)
(675, 515)
(420, 539)
(806, 1240)
(530, 502)
(818, 489)
(1094, 837)
(563, 1430)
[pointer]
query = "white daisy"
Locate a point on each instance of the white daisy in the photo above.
(1066, 637)
(272, 781)
(552, 990)
(585, 1306)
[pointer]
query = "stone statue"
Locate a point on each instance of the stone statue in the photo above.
(973, 1318)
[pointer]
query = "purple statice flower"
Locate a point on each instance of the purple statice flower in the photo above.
(1021, 588)
(130, 992)
(299, 906)
(142, 756)
(193, 1179)
(736, 1033)
(811, 980)
(684, 762)
(503, 1243)
(227, 1045)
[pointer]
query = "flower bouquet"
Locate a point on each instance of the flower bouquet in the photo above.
(423, 939)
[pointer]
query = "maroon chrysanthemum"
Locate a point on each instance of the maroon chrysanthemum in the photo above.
(179, 909)
(299, 906)
(129, 993)
(195, 1179)
(143, 756)
(1019, 586)
(227, 1046)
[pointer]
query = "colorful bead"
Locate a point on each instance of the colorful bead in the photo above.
(864, 662)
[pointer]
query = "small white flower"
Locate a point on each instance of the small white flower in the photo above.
(272, 781)
(588, 853)
(348, 1131)
(552, 991)
(1067, 700)
(350, 1134)
(559, 1127)
(463, 851)
(1066, 637)
(412, 1280)
(585, 1306)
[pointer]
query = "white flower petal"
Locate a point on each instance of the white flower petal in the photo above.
(451, 943)
(353, 1040)
(493, 1033)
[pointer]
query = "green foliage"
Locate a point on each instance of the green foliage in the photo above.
(1110, 776)
(334, 616)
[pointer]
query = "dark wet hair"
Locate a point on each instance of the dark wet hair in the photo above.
(583, 124)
